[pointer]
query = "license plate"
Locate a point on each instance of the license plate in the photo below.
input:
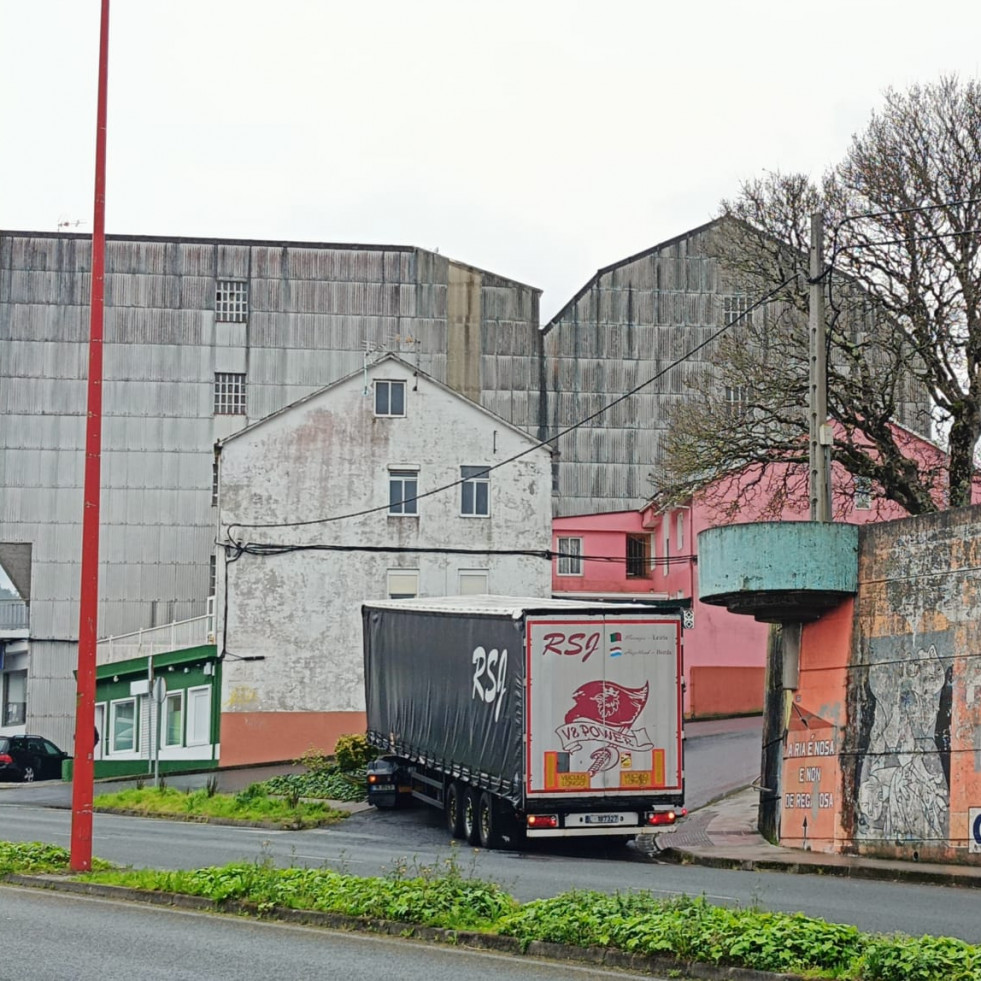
(380, 788)
(602, 818)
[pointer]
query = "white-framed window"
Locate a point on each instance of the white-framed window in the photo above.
(680, 536)
(389, 398)
(737, 307)
(474, 582)
(403, 488)
(403, 583)
(666, 535)
(570, 557)
(232, 301)
(122, 726)
(199, 716)
(229, 395)
(475, 492)
(862, 493)
(737, 397)
(173, 719)
(638, 556)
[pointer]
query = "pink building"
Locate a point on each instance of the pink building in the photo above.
(652, 554)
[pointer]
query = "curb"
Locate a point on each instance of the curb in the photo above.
(913, 875)
(228, 822)
(544, 950)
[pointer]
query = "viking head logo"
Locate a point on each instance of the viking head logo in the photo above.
(607, 703)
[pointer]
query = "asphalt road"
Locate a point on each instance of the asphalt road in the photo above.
(51, 935)
(379, 842)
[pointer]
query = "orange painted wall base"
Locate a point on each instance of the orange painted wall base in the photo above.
(716, 691)
(270, 737)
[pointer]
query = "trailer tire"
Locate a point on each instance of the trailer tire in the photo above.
(488, 823)
(471, 822)
(455, 794)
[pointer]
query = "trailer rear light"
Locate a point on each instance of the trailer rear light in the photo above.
(663, 817)
(543, 821)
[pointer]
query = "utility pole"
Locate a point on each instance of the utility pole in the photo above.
(83, 769)
(821, 436)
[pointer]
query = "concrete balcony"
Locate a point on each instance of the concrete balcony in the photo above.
(779, 571)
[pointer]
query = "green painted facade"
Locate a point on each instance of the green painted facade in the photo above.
(193, 668)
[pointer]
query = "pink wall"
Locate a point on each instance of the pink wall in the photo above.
(719, 640)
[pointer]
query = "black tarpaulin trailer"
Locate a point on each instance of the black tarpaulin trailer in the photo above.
(533, 717)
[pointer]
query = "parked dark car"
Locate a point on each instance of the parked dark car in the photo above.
(30, 758)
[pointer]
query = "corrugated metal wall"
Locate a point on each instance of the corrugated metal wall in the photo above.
(631, 323)
(314, 313)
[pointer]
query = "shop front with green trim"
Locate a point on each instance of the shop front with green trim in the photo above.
(158, 714)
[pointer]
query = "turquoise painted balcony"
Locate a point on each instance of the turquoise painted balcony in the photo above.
(778, 571)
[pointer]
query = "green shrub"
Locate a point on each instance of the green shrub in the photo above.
(353, 752)
(902, 958)
(37, 858)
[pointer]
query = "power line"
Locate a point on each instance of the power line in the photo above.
(255, 548)
(545, 442)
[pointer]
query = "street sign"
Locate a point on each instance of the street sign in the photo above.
(974, 829)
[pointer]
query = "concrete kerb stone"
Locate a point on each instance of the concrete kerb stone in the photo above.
(913, 875)
(598, 956)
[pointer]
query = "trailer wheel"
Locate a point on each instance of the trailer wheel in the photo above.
(471, 826)
(455, 794)
(487, 822)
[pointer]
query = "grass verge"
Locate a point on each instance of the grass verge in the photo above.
(684, 930)
(254, 805)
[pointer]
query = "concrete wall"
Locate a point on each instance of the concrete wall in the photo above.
(291, 622)
(897, 688)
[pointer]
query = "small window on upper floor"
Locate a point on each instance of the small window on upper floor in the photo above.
(229, 394)
(403, 583)
(862, 493)
(569, 561)
(638, 556)
(737, 398)
(475, 492)
(737, 308)
(232, 301)
(389, 398)
(403, 488)
(473, 582)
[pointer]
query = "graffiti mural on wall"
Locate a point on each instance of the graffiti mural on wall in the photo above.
(904, 745)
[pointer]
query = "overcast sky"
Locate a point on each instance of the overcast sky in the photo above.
(539, 140)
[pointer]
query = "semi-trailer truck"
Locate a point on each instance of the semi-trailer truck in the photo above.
(527, 718)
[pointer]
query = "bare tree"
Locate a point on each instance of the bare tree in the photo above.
(903, 285)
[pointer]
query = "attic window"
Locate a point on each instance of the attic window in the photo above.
(232, 301)
(389, 398)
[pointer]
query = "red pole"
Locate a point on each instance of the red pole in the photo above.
(88, 610)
